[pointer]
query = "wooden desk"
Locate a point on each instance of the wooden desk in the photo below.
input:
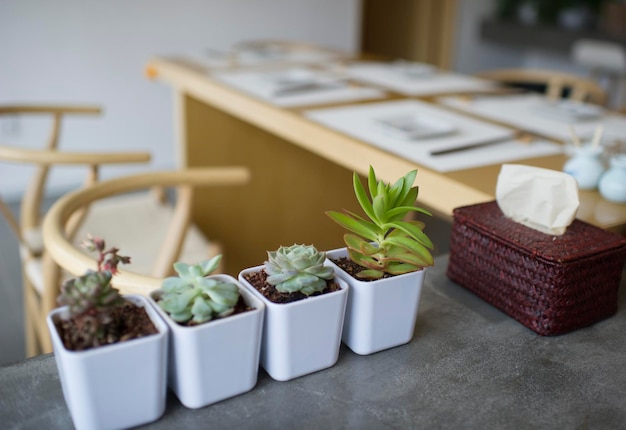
(300, 169)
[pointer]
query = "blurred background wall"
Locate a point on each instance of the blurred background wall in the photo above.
(90, 51)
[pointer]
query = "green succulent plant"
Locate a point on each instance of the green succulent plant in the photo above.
(298, 268)
(93, 290)
(385, 241)
(92, 301)
(191, 296)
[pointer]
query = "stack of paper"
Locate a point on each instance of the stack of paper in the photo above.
(416, 79)
(290, 87)
(535, 113)
(451, 141)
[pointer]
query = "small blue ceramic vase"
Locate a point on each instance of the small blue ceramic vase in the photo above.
(586, 167)
(613, 183)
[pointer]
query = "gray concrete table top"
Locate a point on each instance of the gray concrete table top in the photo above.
(468, 366)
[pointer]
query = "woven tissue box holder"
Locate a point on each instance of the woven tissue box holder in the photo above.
(550, 284)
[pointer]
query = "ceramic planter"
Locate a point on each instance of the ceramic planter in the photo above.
(114, 386)
(379, 314)
(300, 337)
(215, 360)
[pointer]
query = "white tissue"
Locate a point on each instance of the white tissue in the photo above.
(542, 199)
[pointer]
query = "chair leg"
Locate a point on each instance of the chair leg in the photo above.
(52, 276)
(30, 329)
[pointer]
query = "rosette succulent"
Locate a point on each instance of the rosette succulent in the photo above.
(94, 304)
(298, 268)
(385, 241)
(93, 290)
(194, 297)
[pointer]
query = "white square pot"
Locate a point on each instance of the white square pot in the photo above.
(300, 337)
(114, 386)
(215, 360)
(380, 314)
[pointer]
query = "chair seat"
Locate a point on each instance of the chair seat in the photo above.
(121, 221)
(130, 233)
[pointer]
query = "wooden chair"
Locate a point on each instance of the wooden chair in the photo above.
(556, 84)
(606, 61)
(59, 245)
(40, 288)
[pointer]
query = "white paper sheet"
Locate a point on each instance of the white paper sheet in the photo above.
(221, 59)
(262, 84)
(253, 57)
(527, 111)
(395, 78)
(362, 122)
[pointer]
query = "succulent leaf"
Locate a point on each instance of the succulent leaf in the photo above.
(370, 274)
(362, 198)
(417, 249)
(224, 293)
(413, 232)
(396, 268)
(365, 261)
(395, 193)
(358, 244)
(181, 317)
(400, 212)
(368, 225)
(173, 283)
(178, 303)
(379, 209)
(407, 183)
(352, 225)
(182, 269)
(209, 266)
(372, 182)
(410, 198)
(201, 310)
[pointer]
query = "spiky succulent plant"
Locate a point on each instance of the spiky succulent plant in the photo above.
(193, 297)
(298, 268)
(92, 301)
(386, 242)
(93, 290)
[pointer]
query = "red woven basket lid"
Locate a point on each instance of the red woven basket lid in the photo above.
(579, 241)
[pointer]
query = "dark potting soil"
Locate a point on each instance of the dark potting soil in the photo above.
(258, 281)
(127, 322)
(351, 268)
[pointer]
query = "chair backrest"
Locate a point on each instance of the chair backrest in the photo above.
(43, 159)
(60, 248)
(557, 84)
